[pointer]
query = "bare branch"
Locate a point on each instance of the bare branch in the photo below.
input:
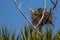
(20, 5)
(24, 15)
(31, 9)
(42, 14)
(55, 4)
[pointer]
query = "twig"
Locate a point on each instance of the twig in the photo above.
(55, 4)
(30, 9)
(42, 14)
(24, 14)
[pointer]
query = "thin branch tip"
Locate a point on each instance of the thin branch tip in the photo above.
(20, 4)
(30, 9)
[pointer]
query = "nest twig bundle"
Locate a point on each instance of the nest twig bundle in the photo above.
(36, 16)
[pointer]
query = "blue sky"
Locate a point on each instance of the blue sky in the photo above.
(10, 16)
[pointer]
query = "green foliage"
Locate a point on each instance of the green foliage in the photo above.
(57, 36)
(29, 34)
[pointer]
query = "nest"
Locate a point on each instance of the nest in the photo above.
(36, 16)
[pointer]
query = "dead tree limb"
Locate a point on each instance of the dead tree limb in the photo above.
(23, 14)
(42, 14)
(55, 4)
(27, 18)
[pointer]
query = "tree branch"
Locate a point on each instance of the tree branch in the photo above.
(42, 14)
(54, 3)
(31, 9)
(24, 14)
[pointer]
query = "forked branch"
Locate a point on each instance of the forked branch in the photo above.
(32, 11)
(23, 14)
(54, 3)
